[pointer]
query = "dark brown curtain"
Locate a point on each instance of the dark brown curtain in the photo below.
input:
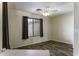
(5, 26)
(41, 27)
(25, 28)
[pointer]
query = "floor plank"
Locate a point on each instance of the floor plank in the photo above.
(55, 48)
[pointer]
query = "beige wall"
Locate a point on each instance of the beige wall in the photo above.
(62, 28)
(0, 25)
(76, 29)
(15, 29)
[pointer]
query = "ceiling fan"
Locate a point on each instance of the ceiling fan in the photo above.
(47, 11)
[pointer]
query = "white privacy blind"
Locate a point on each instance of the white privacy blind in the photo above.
(33, 27)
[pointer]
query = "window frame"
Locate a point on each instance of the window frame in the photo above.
(25, 27)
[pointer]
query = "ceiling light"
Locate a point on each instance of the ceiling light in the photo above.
(46, 14)
(47, 11)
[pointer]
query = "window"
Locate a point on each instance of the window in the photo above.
(32, 27)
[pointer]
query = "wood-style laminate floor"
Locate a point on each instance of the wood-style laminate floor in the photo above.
(55, 48)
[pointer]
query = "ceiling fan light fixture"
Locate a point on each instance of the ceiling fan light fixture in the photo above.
(46, 14)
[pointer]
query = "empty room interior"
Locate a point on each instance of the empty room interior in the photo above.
(41, 26)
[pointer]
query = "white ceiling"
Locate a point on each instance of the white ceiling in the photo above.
(62, 7)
